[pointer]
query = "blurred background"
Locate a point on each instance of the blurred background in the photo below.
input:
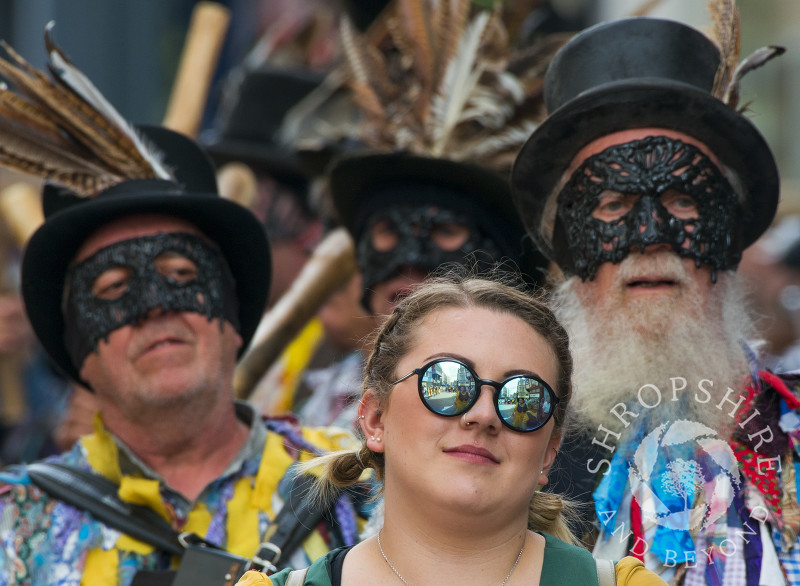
(131, 49)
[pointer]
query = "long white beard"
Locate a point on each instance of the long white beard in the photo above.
(620, 346)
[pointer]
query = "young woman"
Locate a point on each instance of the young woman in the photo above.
(461, 482)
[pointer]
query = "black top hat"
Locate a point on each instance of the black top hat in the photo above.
(70, 220)
(634, 73)
(252, 111)
(357, 180)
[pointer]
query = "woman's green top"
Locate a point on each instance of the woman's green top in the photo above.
(564, 564)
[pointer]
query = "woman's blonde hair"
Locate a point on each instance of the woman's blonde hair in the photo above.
(395, 338)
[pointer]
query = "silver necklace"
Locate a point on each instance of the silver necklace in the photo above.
(403, 580)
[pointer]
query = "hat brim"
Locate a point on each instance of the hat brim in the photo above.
(617, 106)
(52, 247)
(279, 162)
(353, 179)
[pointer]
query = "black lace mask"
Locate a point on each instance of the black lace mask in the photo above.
(417, 242)
(121, 283)
(650, 168)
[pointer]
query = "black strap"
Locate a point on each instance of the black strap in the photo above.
(97, 495)
(296, 519)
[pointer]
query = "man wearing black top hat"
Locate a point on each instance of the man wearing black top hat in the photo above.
(644, 185)
(409, 215)
(424, 182)
(146, 289)
(249, 122)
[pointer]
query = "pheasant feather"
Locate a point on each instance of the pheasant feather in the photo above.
(357, 59)
(725, 19)
(60, 128)
(460, 78)
(120, 131)
(452, 92)
(726, 33)
(753, 61)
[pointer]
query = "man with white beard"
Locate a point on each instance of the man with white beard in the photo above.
(644, 185)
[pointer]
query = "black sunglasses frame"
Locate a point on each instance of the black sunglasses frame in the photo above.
(479, 383)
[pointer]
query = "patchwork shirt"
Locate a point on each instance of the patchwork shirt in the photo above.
(46, 542)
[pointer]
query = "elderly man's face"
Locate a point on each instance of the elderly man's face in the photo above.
(635, 190)
(634, 199)
(168, 354)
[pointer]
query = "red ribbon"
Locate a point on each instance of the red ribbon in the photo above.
(638, 529)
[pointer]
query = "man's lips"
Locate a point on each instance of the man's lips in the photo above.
(161, 342)
(472, 454)
(651, 282)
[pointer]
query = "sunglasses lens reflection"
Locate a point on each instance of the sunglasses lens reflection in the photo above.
(448, 388)
(524, 403)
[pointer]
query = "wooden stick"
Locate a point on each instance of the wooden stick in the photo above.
(238, 182)
(198, 63)
(21, 210)
(329, 268)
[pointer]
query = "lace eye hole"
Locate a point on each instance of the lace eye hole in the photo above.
(176, 267)
(112, 283)
(450, 236)
(680, 205)
(612, 205)
(383, 234)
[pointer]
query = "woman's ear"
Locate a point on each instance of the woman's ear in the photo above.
(549, 457)
(370, 417)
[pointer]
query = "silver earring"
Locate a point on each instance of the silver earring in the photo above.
(362, 417)
(372, 437)
(377, 439)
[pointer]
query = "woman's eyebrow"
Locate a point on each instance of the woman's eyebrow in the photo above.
(458, 357)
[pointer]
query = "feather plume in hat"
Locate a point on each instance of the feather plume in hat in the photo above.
(60, 128)
(445, 82)
(725, 33)
(435, 78)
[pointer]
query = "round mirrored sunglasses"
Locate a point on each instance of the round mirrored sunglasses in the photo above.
(449, 388)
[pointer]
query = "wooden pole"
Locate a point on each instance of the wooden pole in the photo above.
(207, 30)
(21, 209)
(237, 182)
(21, 212)
(329, 268)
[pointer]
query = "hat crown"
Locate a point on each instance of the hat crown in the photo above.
(631, 50)
(254, 106)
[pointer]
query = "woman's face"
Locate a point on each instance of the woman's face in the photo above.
(483, 467)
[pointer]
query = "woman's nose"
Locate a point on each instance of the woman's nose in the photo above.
(483, 412)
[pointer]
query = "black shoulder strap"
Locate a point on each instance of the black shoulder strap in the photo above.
(97, 495)
(299, 516)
